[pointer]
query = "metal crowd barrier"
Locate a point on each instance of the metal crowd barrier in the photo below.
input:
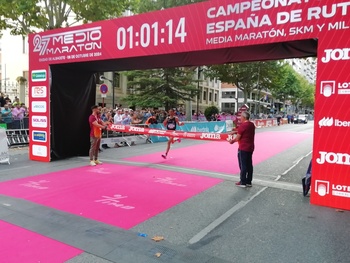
(17, 137)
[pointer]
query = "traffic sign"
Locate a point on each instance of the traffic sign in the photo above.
(103, 88)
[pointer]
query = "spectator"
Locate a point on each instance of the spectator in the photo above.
(6, 115)
(126, 119)
(245, 138)
(2, 100)
(118, 117)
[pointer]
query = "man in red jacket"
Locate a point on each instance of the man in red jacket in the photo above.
(245, 138)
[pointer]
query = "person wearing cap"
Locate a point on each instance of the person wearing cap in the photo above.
(245, 138)
(96, 126)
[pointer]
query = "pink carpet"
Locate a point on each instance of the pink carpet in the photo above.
(221, 157)
(119, 195)
(18, 245)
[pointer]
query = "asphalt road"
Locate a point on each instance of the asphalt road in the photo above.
(270, 222)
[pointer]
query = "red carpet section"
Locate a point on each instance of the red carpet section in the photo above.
(19, 245)
(221, 157)
(118, 195)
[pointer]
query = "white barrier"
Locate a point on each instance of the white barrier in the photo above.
(4, 150)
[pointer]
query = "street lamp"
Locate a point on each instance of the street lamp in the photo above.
(199, 70)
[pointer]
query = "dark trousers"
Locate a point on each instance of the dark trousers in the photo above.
(245, 162)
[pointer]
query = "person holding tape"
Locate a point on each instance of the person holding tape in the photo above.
(96, 126)
(170, 123)
(245, 138)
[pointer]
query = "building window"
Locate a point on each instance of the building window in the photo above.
(215, 97)
(204, 95)
(229, 94)
(210, 96)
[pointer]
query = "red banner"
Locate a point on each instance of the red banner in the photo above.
(208, 136)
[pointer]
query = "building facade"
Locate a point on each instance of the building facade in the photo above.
(14, 64)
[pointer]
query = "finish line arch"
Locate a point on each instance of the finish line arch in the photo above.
(63, 64)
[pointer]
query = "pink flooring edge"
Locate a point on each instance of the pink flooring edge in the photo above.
(118, 195)
(221, 157)
(19, 245)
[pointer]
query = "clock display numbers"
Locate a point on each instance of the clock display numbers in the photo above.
(151, 35)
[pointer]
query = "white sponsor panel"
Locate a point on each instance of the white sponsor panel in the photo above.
(38, 106)
(39, 150)
(39, 121)
(39, 75)
(39, 91)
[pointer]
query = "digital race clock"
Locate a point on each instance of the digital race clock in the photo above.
(151, 35)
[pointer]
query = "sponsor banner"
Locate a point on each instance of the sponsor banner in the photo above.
(39, 136)
(39, 121)
(38, 106)
(331, 153)
(39, 150)
(39, 92)
(216, 24)
(39, 75)
(209, 136)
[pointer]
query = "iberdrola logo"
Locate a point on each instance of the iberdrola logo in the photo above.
(326, 122)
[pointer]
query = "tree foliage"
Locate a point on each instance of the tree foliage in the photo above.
(166, 87)
(25, 16)
(247, 76)
(142, 6)
(209, 111)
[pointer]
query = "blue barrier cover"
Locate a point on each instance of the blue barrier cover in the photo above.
(214, 126)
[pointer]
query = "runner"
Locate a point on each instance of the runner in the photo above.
(170, 123)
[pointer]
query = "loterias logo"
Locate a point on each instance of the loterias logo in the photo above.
(323, 188)
(330, 121)
(336, 54)
(72, 41)
(328, 88)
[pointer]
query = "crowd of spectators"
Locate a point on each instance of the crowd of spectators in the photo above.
(13, 114)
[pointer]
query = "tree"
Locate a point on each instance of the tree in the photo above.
(142, 6)
(287, 87)
(246, 76)
(166, 87)
(25, 16)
